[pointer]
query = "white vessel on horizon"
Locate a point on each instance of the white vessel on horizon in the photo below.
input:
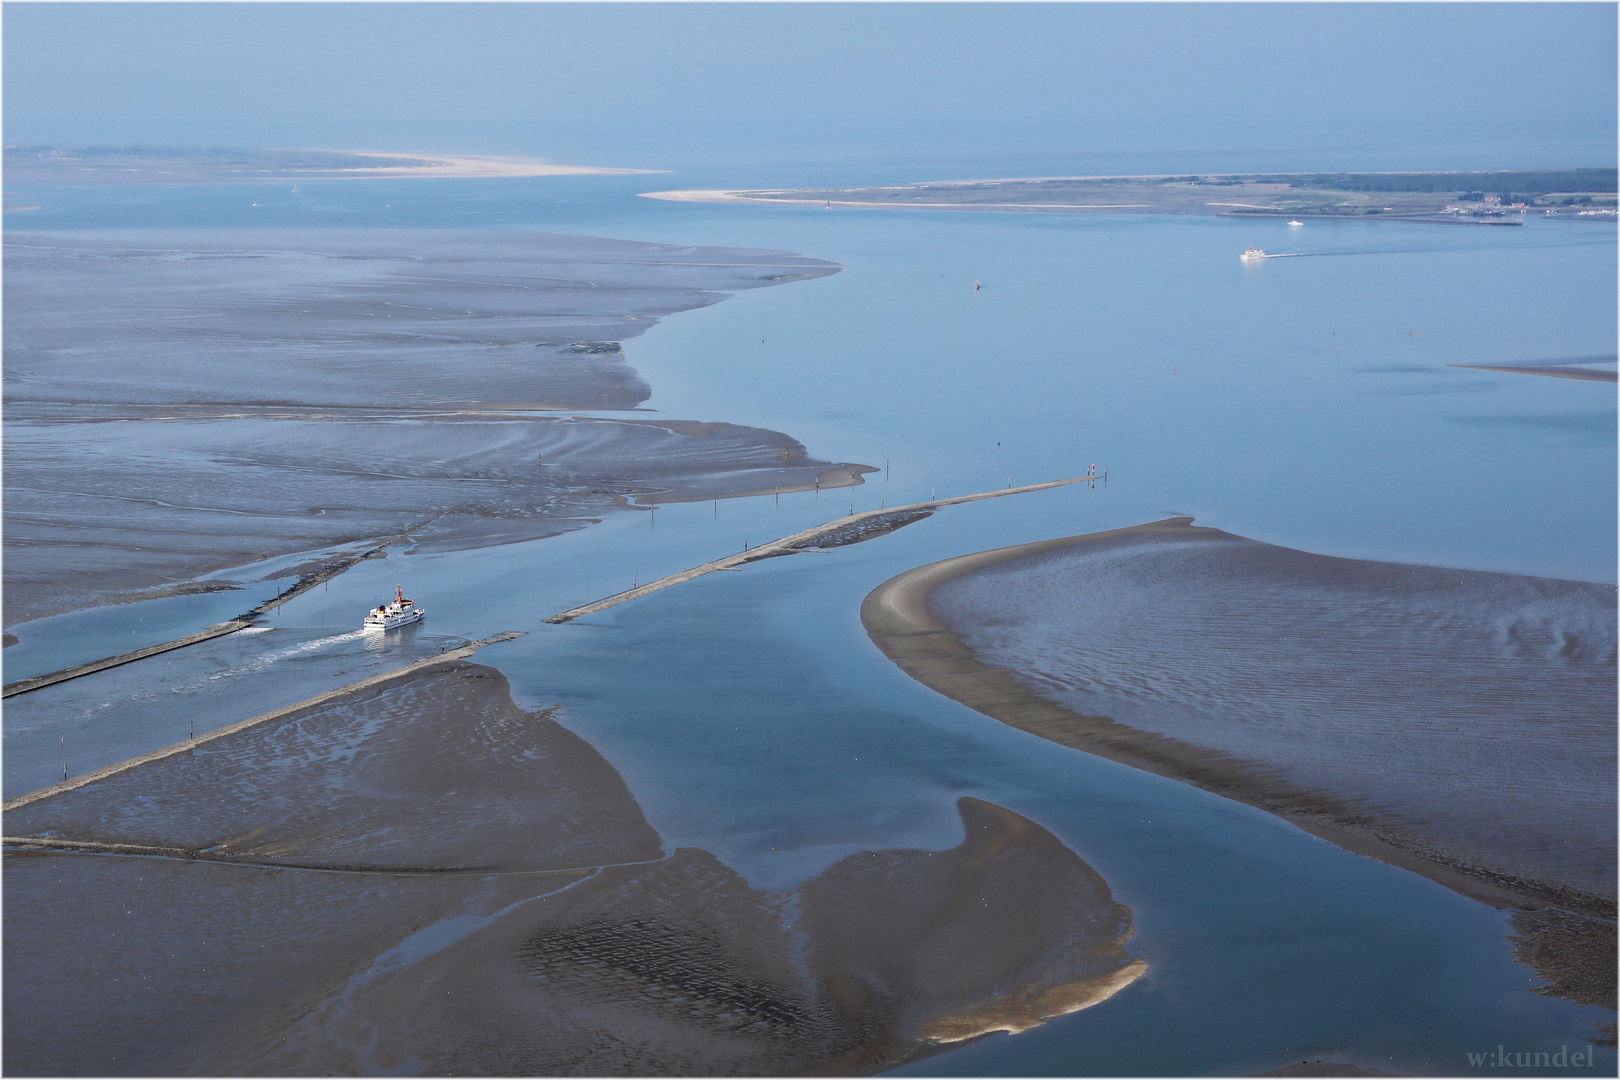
(1252, 254)
(1296, 223)
(397, 613)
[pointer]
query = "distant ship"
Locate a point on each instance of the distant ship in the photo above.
(398, 613)
(1296, 223)
(1252, 253)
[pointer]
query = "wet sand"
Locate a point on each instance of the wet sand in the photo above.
(182, 401)
(82, 725)
(1551, 371)
(426, 878)
(1284, 680)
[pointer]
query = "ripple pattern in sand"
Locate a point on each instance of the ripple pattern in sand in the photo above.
(1470, 712)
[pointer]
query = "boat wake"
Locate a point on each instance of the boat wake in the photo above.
(291, 652)
(1256, 255)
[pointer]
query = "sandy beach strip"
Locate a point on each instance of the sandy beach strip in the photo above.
(469, 166)
(104, 165)
(757, 198)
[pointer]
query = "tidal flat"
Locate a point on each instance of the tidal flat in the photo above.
(1452, 722)
(428, 878)
(182, 401)
(765, 743)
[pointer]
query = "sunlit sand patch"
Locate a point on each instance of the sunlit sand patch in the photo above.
(1031, 1007)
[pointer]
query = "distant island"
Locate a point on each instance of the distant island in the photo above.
(1441, 196)
(199, 165)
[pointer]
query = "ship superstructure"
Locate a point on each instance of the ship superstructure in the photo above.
(397, 613)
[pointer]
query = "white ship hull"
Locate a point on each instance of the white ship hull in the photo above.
(398, 613)
(388, 622)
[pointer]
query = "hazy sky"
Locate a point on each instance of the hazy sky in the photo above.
(623, 83)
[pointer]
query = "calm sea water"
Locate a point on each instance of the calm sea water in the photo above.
(1303, 402)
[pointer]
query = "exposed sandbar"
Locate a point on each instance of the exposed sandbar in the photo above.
(181, 401)
(1551, 371)
(849, 529)
(1285, 680)
(104, 165)
(358, 912)
(1448, 197)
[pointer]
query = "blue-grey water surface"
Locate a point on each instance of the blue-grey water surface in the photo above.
(1303, 402)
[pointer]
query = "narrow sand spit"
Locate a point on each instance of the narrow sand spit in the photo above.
(1551, 371)
(849, 529)
(109, 165)
(763, 198)
(1364, 196)
(426, 878)
(1284, 680)
(471, 166)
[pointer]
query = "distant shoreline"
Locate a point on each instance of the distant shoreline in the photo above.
(54, 165)
(471, 166)
(1486, 198)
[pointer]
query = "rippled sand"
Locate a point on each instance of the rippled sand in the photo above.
(1467, 717)
(427, 878)
(179, 401)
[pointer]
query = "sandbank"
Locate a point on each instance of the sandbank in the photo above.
(1590, 374)
(849, 529)
(368, 390)
(1430, 197)
(180, 165)
(1512, 871)
(473, 166)
(322, 892)
(789, 199)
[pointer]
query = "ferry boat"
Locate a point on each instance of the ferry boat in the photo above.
(1252, 253)
(397, 613)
